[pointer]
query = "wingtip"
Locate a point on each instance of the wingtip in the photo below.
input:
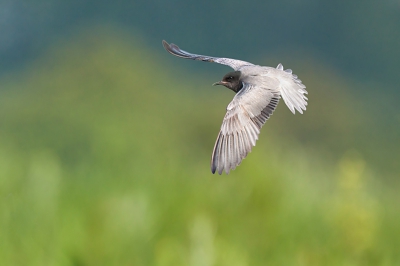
(165, 44)
(174, 49)
(213, 168)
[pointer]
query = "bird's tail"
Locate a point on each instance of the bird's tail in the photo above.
(292, 90)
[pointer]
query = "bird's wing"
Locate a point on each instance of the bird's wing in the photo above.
(246, 114)
(175, 50)
(292, 90)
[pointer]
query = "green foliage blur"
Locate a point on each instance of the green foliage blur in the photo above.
(104, 160)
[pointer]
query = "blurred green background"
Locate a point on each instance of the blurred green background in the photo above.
(105, 138)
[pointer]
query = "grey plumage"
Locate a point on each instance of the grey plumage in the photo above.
(258, 90)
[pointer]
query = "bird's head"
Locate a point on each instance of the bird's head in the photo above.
(231, 81)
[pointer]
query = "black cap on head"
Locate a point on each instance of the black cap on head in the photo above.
(231, 81)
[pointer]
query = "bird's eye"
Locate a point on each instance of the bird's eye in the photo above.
(229, 78)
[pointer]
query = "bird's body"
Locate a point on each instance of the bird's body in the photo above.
(258, 90)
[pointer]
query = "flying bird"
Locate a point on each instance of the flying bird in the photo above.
(258, 90)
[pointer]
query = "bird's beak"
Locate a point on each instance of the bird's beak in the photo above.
(223, 83)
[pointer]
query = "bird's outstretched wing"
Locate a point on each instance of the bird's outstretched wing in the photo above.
(233, 63)
(246, 114)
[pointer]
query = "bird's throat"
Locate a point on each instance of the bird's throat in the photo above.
(238, 87)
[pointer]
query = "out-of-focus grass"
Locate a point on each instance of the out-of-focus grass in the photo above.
(104, 160)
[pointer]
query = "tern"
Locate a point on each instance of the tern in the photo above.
(258, 90)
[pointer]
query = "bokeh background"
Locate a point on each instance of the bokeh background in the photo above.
(105, 139)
